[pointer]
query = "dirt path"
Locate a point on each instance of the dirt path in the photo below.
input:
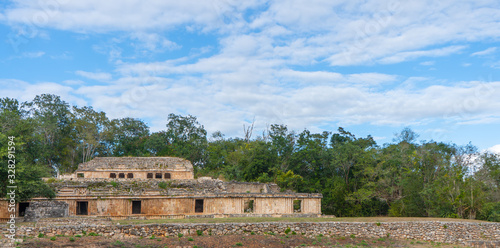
(252, 241)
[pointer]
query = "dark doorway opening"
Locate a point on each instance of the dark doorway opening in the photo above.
(121, 175)
(136, 207)
(130, 175)
(158, 175)
(150, 175)
(198, 206)
(112, 175)
(297, 206)
(167, 176)
(248, 206)
(82, 208)
(22, 208)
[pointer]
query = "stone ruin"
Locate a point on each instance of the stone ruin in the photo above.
(45, 209)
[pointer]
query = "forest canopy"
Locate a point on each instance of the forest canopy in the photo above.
(356, 176)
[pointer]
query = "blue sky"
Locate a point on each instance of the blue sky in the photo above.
(372, 67)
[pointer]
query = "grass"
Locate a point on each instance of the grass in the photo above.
(376, 220)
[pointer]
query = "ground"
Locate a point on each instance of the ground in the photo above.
(250, 241)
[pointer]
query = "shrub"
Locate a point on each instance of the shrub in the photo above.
(353, 236)
(163, 185)
(78, 236)
(93, 234)
(53, 238)
(288, 230)
(294, 233)
(378, 223)
(239, 244)
(40, 235)
(118, 242)
(180, 235)
(252, 233)
(71, 239)
(199, 232)
(152, 237)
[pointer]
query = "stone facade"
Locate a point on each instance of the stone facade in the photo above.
(135, 167)
(140, 187)
(447, 232)
(46, 209)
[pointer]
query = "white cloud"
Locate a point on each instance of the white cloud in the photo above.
(338, 32)
(404, 56)
(98, 76)
(428, 63)
(495, 149)
(33, 54)
(153, 42)
(485, 52)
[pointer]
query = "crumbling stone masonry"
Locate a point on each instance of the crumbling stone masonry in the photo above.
(46, 209)
(467, 233)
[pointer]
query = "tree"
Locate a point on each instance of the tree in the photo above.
(92, 129)
(52, 140)
(15, 138)
(129, 137)
(188, 138)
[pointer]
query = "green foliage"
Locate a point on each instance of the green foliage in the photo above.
(180, 235)
(53, 238)
(288, 230)
(199, 232)
(114, 184)
(40, 235)
(163, 185)
(93, 234)
(356, 176)
(490, 212)
(71, 239)
(239, 244)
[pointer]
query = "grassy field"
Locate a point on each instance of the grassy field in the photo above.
(263, 219)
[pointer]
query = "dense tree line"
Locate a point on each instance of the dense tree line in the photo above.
(356, 176)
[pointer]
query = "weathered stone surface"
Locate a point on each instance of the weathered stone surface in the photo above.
(473, 234)
(141, 163)
(46, 209)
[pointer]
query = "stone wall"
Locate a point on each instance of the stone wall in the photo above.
(446, 232)
(45, 209)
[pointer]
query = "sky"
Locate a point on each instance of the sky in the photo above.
(372, 67)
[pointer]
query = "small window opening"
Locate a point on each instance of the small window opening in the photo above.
(82, 208)
(198, 206)
(150, 175)
(136, 207)
(112, 175)
(249, 206)
(121, 175)
(80, 175)
(167, 176)
(297, 206)
(158, 175)
(22, 208)
(130, 175)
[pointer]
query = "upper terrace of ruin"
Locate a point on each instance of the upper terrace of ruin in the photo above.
(136, 163)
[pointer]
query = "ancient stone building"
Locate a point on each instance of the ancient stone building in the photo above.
(164, 187)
